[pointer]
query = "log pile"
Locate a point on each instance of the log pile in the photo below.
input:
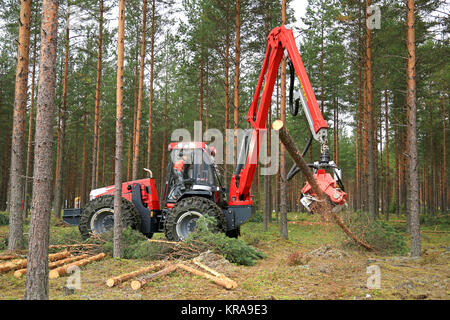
(17, 264)
(111, 282)
(52, 265)
(139, 283)
(221, 281)
(60, 271)
(7, 257)
(165, 268)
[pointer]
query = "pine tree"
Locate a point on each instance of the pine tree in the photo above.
(37, 259)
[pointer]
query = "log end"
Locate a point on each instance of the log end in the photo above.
(110, 283)
(54, 274)
(18, 274)
(135, 285)
(277, 125)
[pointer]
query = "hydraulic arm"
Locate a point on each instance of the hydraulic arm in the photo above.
(281, 43)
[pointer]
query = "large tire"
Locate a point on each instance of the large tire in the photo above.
(101, 209)
(182, 218)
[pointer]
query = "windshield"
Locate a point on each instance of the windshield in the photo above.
(189, 167)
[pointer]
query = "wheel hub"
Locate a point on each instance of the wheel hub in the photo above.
(186, 223)
(102, 220)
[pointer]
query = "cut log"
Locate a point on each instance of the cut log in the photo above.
(323, 206)
(8, 257)
(77, 245)
(216, 280)
(214, 272)
(13, 265)
(22, 263)
(137, 284)
(56, 273)
(176, 243)
(58, 256)
(111, 282)
(52, 265)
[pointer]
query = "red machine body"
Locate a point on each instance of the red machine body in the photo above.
(148, 192)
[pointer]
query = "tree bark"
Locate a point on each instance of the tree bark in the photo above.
(83, 192)
(150, 108)
(30, 124)
(163, 159)
(202, 67)
(227, 86)
(94, 172)
(370, 127)
(137, 132)
(37, 268)
(283, 195)
(444, 166)
(237, 62)
(411, 99)
(62, 127)
(118, 249)
(15, 239)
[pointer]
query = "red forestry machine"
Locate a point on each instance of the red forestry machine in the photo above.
(193, 188)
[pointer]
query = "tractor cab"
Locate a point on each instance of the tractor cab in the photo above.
(192, 171)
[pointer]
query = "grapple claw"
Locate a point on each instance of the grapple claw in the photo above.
(328, 186)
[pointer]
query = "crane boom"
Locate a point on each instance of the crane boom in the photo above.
(281, 42)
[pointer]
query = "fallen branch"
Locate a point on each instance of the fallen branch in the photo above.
(111, 282)
(216, 280)
(137, 284)
(323, 206)
(214, 272)
(52, 265)
(22, 263)
(56, 273)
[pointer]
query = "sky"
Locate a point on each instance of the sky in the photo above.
(299, 7)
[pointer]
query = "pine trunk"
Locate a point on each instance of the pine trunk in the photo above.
(94, 172)
(370, 127)
(150, 109)
(37, 260)
(137, 132)
(15, 240)
(411, 96)
(28, 165)
(283, 195)
(118, 249)
(62, 120)
(227, 88)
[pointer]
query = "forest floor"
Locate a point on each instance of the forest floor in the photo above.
(336, 276)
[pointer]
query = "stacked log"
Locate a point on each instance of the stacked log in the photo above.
(22, 263)
(8, 257)
(227, 283)
(52, 265)
(111, 282)
(137, 284)
(215, 273)
(56, 273)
